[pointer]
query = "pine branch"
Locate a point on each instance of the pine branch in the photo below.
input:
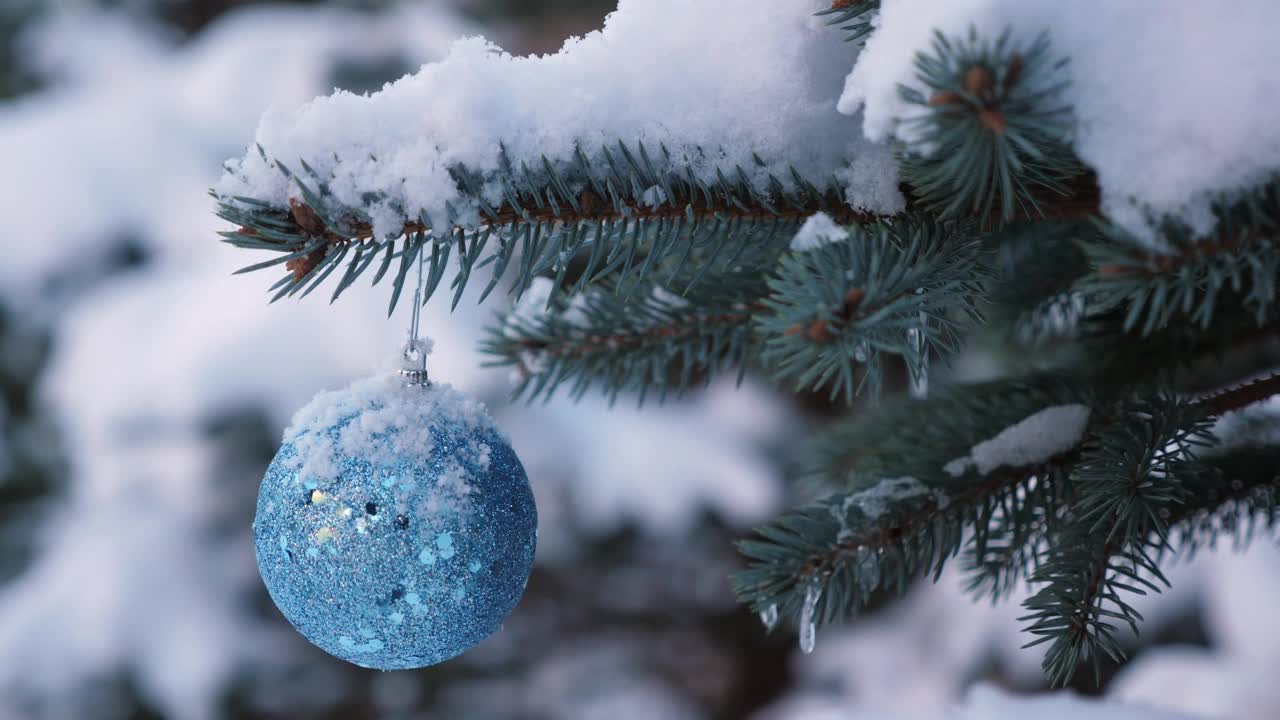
(1233, 493)
(622, 204)
(1237, 265)
(1130, 475)
(1136, 478)
(817, 546)
(905, 288)
(827, 545)
(1184, 357)
(624, 212)
(652, 341)
(636, 274)
(822, 319)
(991, 137)
(1238, 492)
(1101, 507)
(1015, 538)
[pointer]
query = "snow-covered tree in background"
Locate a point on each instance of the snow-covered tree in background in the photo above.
(687, 192)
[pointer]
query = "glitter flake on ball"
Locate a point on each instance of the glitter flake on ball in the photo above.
(395, 528)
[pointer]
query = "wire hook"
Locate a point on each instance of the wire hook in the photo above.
(414, 370)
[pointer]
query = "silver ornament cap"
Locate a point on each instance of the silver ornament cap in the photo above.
(413, 370)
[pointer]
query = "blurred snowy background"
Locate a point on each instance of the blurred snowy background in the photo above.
(143, 390)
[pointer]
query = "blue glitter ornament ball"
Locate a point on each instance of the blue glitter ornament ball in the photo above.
(395, 528)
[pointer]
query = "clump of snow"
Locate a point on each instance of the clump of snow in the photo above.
(531, 307)
(1030, 441)
(875, 500)
(817, 231)
(654, 197)
(418, 348)
(1199, 680)
(525, 315)
(1172, 101)
(387, 422)
(761, 83)
(769, 617)
(666, 299)
(576, 313)
(448, 497)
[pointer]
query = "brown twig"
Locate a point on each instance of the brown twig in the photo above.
(1082, 201)
(1240, 397)
(1150, 264)
(622, 342)
(593, 209)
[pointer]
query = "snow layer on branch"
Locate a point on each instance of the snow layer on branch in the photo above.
(721, 82)
(875, 500)
(1031, 441)
(1173, 101)
(817, 231)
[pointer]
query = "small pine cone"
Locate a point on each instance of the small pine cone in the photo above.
(842, 4)
(994, 120)
(307, 218)
(978, 81)
(590, 202)
(302, 266)
(852, 300)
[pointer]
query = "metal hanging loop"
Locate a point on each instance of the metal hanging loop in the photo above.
(413, 371)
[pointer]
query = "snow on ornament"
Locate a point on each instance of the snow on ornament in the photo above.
(395, 528)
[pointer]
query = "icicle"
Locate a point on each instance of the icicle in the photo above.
(769, 616)
(920, 385)
(808, 625)
(916, 336)
(867, 569)
(860, 352)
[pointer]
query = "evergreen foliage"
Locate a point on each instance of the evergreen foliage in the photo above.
(904, 288)
(852, 16)
(651, 281)
(630, 211)
(993, 134)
